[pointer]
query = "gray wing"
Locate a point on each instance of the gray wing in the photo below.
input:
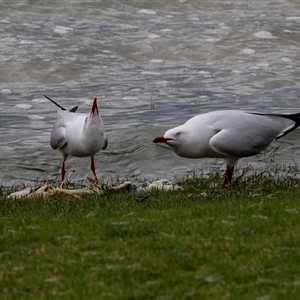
(58, 135)
(231, 144)
(249, 136)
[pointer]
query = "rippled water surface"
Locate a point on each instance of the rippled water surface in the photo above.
(152, 66)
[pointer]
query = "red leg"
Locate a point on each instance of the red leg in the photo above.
(63, 171)
(228, 175)
(94, 169)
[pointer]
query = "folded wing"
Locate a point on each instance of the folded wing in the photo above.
(250, 136)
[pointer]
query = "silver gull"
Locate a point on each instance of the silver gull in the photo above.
(228, 134)
(79, 135)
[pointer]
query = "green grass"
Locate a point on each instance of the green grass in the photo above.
(203, 242)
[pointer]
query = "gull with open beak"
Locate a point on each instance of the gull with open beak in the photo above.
(79, 135)
(228, 134)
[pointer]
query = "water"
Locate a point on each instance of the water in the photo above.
(152, 65)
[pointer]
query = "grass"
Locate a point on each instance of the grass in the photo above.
(203, 242)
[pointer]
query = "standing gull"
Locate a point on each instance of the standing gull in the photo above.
(79, 135)
(228, 134)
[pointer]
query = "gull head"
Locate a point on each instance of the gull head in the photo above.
(94, 111)
(93, 119)
(175, 138)
(185, 142)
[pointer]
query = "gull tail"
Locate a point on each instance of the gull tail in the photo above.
(293, 117)
(62, 108)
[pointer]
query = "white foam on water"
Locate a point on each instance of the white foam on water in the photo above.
(263, 65)
(153, 36)
(166, 30)
(62, 29)
(265, 35)
(292, 18)
(6, 91)
(150, 73)
(224, 28)
(212, 40)
(157, 61)
(9, 40)
(285, 59)
(26, 42)
(147, 12)
(87, 101)
(130, 98)
(260, 66)
(203, 73)
(35, 117)
(24, 106)
(163, 82)
(248, 51)
(39, 100)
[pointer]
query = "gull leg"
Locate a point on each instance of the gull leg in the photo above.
(228, 176)
(63, 171)
(94, 170)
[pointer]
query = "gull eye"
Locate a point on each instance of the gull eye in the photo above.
(178, 134)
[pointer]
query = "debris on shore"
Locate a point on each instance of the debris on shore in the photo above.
(48, 190)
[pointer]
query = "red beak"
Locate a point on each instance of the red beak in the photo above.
(161, 139)
(95, 108)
